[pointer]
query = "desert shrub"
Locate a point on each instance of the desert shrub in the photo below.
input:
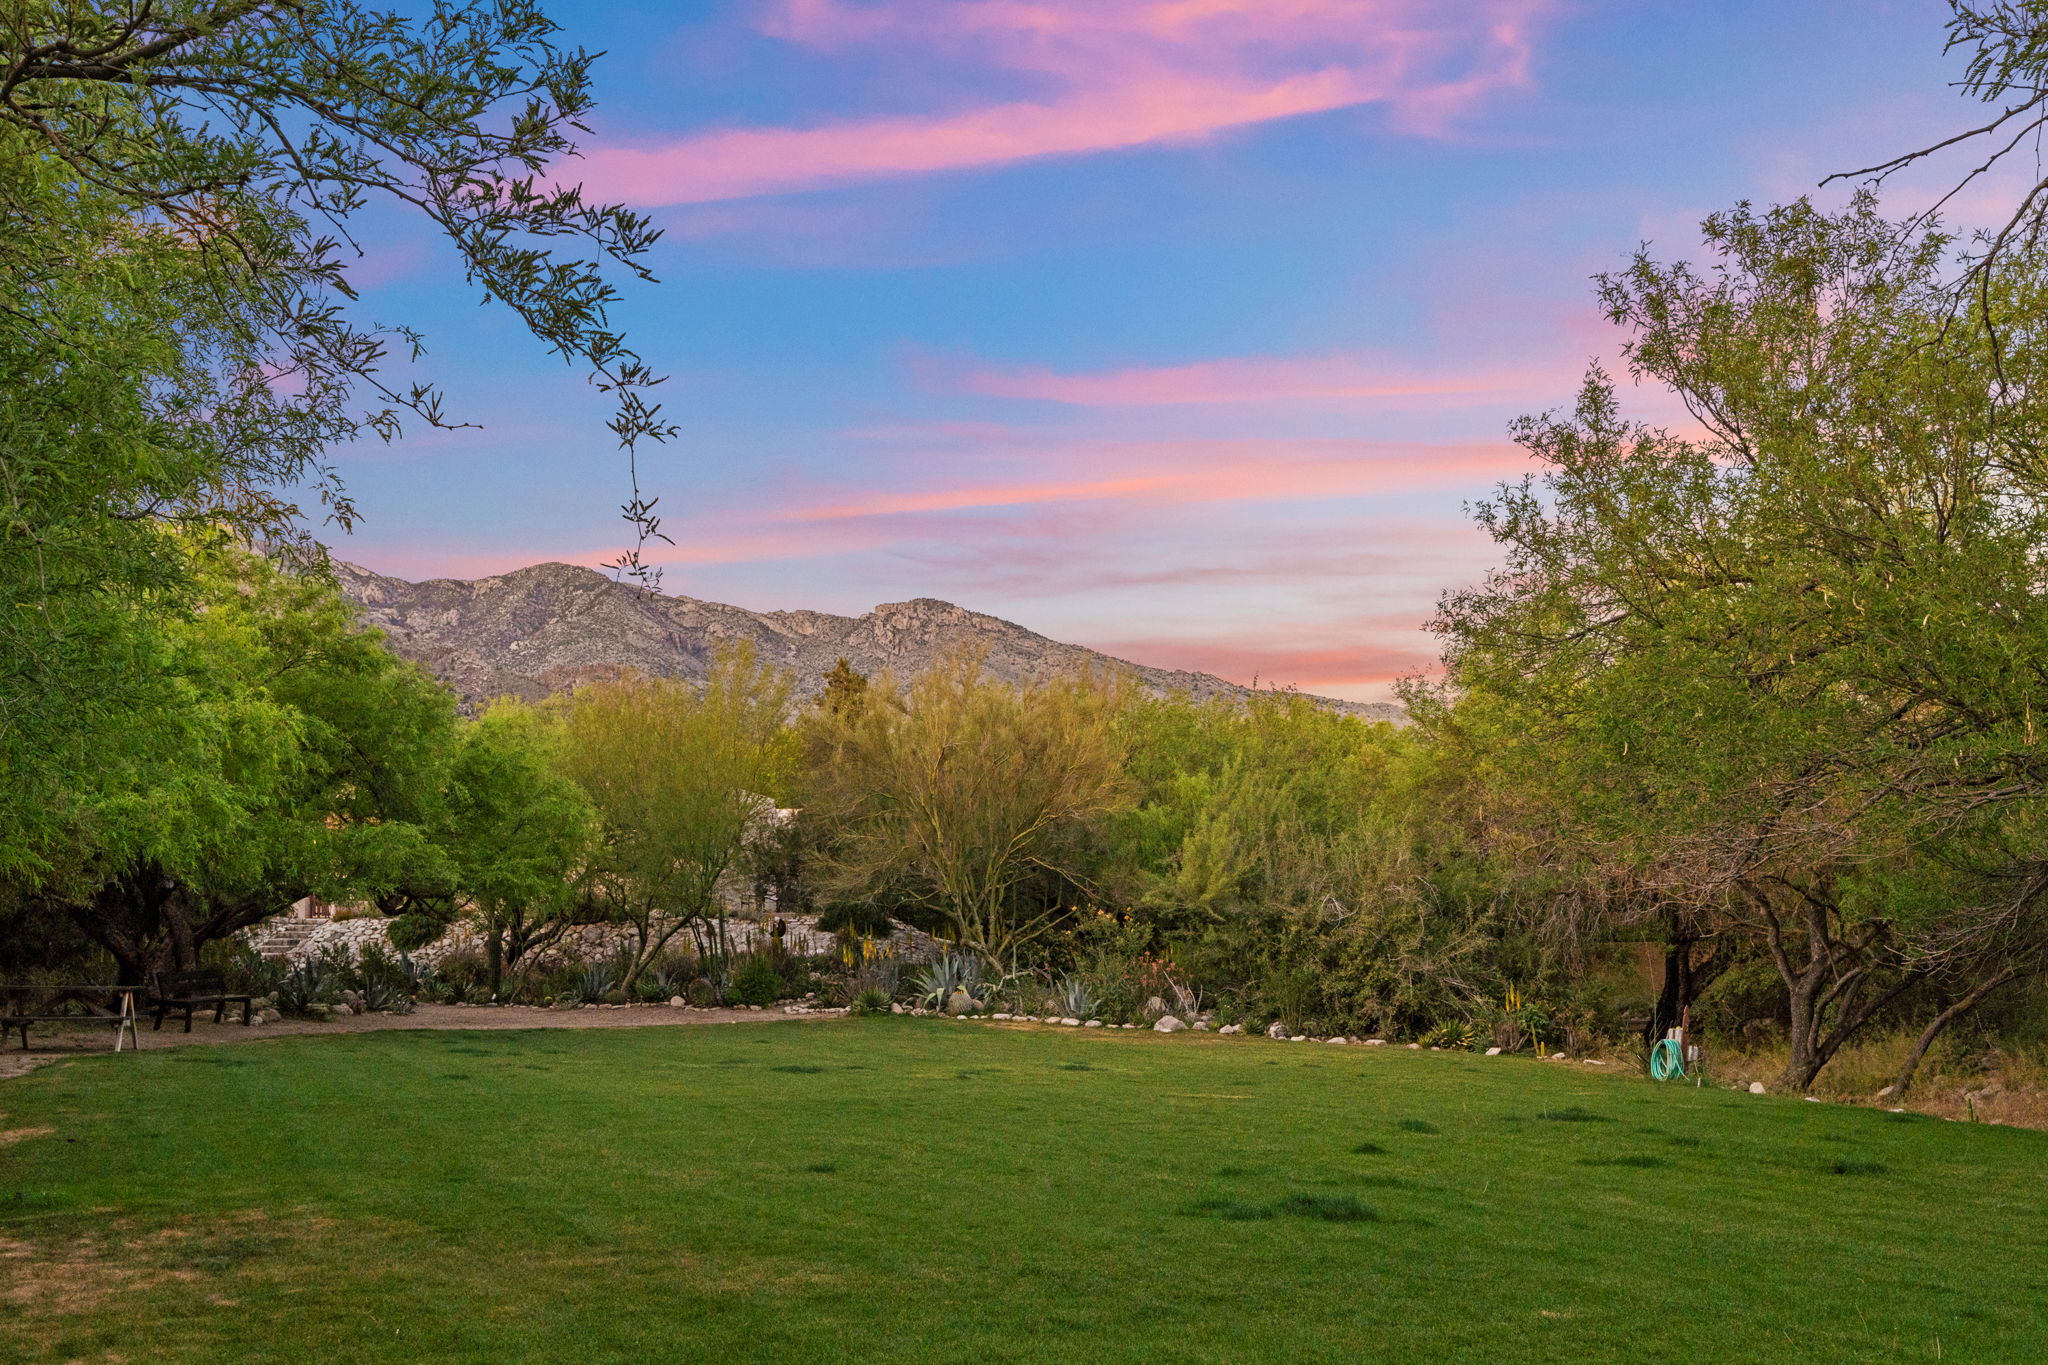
(1451, 1033)
(756, 981)
(666, 978)
(459, 978)
(870, 1001)
(703, 992)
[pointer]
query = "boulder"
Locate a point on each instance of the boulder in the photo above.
(676, 1002)
(1070, 1023)
(999, 1016)
(1756, 1087)
(1091, 1023)
(1168, 1024)
(1375, 1042)
(1337, 1040)
(1200, 1025)
(1493, 1052)
(1276, 1030)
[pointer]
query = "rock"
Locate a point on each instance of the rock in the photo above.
(1813, 1099)
(1091, 1023)
(342, 1011)
(1375, 1042)
(1594, 1061)
(1493, 1052)
(1126, 1025)
(1071, 1023)
(1155, 1006)
(999, 1016)
(1200, 1025)
(1756, 1087)
(1887, 1092)
(1337, 1040)
(1415, 1047)
(1276, 1030)
(1299, 1038)
(1168, 1024)
(1231, 1028)
(676, 1002)
(351, 998)
(960, 1002)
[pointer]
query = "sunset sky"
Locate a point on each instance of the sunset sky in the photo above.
(1184, 329)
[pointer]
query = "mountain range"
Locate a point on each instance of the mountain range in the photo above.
(542, 629)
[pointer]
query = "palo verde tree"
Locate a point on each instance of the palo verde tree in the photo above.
(954, 792)
(680, 774)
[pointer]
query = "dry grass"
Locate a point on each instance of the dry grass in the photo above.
(1958, 1079)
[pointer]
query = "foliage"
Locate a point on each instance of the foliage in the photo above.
(297, 757)
(958, 793)
(680, 775)
(756, 981)
(180, 185)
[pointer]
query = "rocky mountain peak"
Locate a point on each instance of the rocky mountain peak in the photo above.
(546, 627)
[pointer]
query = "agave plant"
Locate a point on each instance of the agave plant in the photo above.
(941, 979)
(949, 972)
(1072, 998)
(597, 981)
(303, 986)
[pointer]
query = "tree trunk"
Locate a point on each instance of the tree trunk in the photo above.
(1942, 1021)
(494, 957)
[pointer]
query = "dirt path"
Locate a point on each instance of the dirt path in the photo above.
(55, 1045)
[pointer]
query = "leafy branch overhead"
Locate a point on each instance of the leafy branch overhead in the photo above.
(254, 131)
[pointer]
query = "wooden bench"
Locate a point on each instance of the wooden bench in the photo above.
(26, 1005)
(191, 991)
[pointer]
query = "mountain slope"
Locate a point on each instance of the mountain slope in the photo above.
(539, 630)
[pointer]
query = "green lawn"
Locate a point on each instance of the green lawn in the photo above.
(919, 1190)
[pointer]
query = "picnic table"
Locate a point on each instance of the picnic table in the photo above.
(26, 1003)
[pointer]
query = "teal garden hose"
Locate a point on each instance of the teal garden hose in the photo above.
(1667, 1059)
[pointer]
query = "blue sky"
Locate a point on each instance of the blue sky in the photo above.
(1185, 329)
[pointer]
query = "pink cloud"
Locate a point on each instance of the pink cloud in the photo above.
(1256, 379)
(1105, 75)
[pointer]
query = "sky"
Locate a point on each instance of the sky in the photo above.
(1188, 330)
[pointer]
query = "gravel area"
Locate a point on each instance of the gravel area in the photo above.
(56, 1044)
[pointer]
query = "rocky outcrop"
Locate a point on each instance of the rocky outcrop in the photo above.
(543, 629)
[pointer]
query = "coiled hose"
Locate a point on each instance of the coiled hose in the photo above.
(1667, 1059)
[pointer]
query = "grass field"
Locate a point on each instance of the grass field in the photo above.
(925, 1191)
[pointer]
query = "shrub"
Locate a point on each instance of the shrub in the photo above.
(459, 978)
(756, 982)
(870, 1001)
